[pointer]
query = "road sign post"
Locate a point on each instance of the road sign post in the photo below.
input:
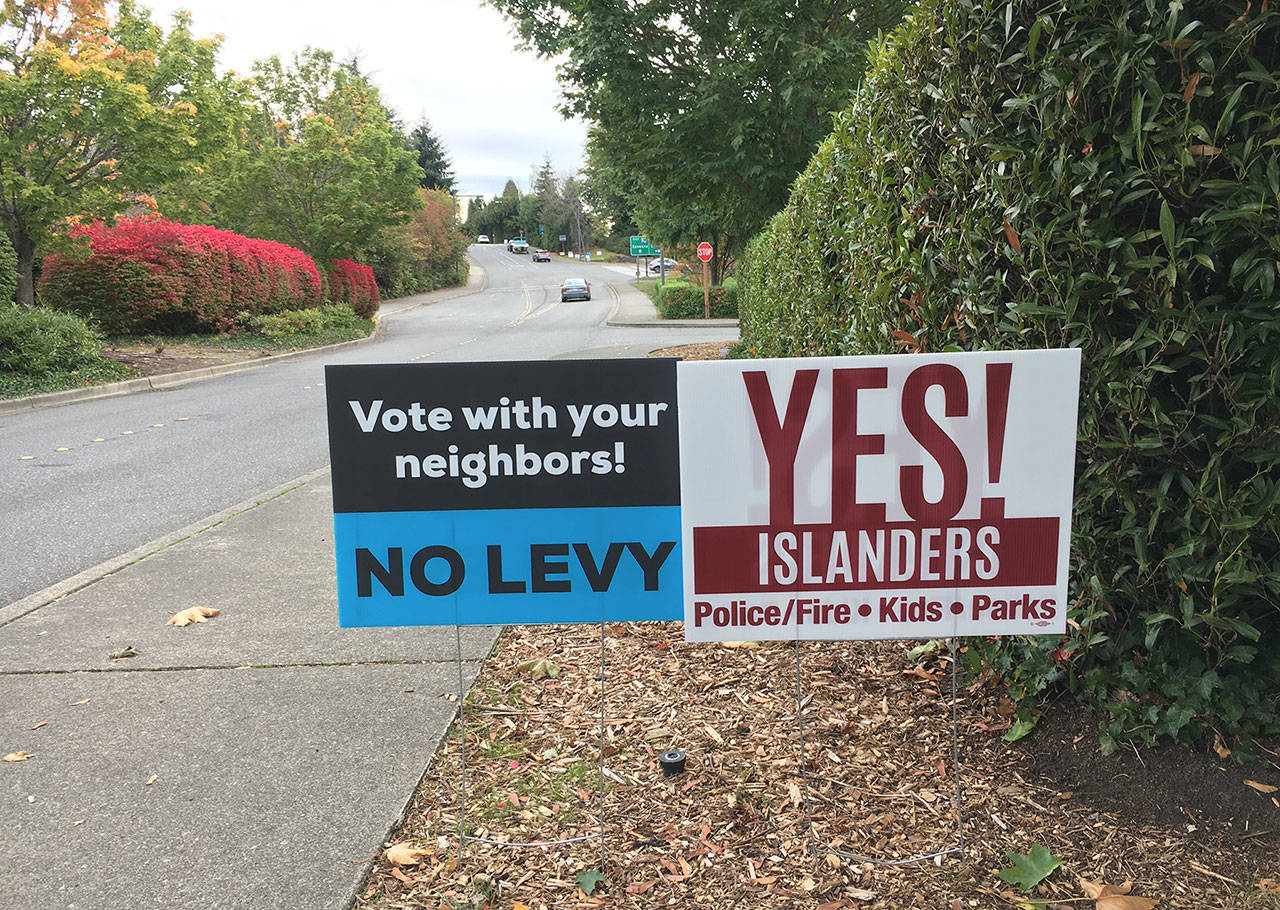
(705, 253)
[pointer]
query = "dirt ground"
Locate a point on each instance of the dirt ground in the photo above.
(153, 360)
(1173, 826)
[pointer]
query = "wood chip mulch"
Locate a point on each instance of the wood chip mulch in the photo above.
(733, 829)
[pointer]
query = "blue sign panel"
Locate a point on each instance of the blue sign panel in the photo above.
(505, 493)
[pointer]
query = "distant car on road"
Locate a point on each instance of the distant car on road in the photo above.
(483, 238)
(541, 256)
(519, 246)
(658, 265)
(575, 289)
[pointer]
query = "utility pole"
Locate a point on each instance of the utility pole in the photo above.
(577, 215)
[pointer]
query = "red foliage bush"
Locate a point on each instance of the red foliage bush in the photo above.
(353, 284)
(152, 275)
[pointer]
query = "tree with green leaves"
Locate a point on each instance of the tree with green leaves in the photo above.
(712, 105)
(437, 170)
(321, 166)
(93, 111)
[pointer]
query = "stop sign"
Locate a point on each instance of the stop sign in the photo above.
(704, 251)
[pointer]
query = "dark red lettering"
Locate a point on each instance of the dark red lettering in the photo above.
(955, 474)
(781, 441)
(847, 444)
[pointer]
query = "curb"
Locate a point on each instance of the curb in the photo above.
(164, 381)
(613, 321)
(33, 602)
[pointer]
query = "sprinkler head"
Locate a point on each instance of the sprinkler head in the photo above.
(672, 762)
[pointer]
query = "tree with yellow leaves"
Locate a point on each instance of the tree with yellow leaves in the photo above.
(93, 110)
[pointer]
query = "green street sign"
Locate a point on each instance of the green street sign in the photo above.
(542, 229)
(640, 246)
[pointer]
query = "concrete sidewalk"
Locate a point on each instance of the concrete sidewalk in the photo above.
(256, 760)
(632, 307)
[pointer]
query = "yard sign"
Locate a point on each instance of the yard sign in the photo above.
(476, 493)
(904, 496)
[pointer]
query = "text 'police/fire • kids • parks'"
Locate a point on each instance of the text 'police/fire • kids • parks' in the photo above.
(511, 492)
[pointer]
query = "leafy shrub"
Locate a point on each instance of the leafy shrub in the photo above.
(152, 275)
(1098, 175)
(353, 284)
(424, 254)
(280, 327)
(8, 270)
(681, 300)
(36, 340)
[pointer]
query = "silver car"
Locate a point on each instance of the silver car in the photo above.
(575, 289)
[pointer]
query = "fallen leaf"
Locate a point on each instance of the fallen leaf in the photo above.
(31, 799)
(152, 779)
(640, 887)
(540, 668)
(400, 876)
(1261, 788)
(1096, 890)
(518, 906)
(125, 653)
(16, 756)
(588, 880)
(1030, 869)
(192, 614)
(1220, 747)
(1125, 902)
(404, 854)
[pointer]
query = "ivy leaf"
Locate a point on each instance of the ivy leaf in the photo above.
(588, 880)
(1029, 870)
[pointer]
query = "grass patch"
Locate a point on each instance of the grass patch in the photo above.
(19, 385)
(249, 341)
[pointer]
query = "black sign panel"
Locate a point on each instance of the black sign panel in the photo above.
(538, 434)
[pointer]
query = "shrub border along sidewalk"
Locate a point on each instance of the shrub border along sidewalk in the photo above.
(174, 380)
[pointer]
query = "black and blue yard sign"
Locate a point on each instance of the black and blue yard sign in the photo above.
(520, 492)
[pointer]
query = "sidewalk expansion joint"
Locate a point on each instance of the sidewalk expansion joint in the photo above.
(282, 666)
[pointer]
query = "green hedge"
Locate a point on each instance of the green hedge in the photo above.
(1102, 175)
(681, 300)
(8, 270)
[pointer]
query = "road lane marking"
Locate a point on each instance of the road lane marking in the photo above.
(528, 306)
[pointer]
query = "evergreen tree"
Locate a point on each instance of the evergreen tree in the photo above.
(437, 170)
(511, 190)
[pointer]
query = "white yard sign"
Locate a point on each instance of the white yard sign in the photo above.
(906, 496)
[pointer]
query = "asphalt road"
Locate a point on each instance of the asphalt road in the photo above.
(112, 474)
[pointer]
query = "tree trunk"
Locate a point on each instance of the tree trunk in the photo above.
(25, 248)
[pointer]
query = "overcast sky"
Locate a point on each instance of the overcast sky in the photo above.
(453, 61)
